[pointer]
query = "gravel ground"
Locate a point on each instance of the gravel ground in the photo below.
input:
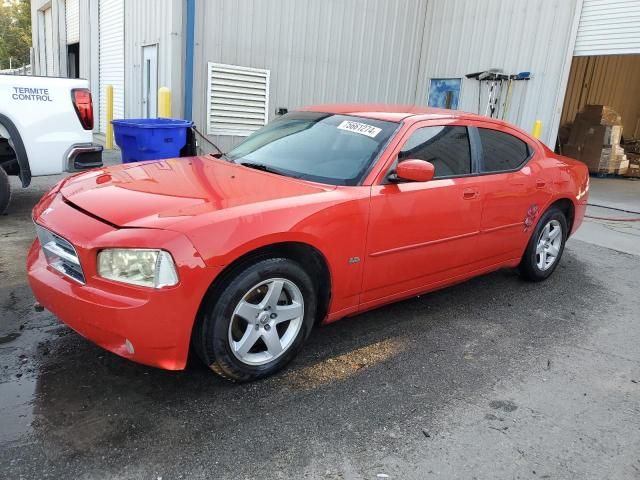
(493, 378)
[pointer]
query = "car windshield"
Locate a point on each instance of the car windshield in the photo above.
(321, 147)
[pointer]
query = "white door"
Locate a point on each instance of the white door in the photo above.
(608, 27)
(150, 81)
(111, 51)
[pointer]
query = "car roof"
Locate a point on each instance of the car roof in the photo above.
(393, 113)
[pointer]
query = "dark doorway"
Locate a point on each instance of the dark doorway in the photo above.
(73, 60)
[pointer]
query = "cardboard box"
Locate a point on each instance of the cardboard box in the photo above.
(633, 170)
(602, 160)
(572, 151)
(601, 114)
(623, 167)
(602, 135)
(584, 130)
(578, 130)
(591, 155)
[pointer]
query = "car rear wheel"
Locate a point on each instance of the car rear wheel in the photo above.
(5, 191)
(545, 247)
(257, 321)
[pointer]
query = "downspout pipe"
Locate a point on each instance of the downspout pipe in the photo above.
(188, 59)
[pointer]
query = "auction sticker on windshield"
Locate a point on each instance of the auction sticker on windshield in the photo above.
(361, 128)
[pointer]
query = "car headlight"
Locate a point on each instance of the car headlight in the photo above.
(137, 266)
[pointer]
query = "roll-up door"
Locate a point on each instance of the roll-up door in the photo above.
(72, 20)
(111, 50)
(609, 27)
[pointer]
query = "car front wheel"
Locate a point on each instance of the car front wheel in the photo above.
(257, 321)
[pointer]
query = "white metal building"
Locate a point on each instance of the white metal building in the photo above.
(251, 58)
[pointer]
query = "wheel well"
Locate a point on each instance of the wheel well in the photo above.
(309, 258)
(10, 131)
(8, 160)
(565, 206)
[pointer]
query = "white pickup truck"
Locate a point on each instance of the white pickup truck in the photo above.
(45, 129)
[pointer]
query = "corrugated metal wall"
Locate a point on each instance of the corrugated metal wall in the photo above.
(149, 22)
(465, 36)
(52, 69)
(317, 51)
(49, 37)
(609, 27)
(612, 80)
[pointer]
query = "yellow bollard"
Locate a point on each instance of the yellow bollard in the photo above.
(109, 108)
(164, 102)
(537, 129)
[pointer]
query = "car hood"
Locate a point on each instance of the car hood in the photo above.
(160, 193)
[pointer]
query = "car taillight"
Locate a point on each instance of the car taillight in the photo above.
(84, 107)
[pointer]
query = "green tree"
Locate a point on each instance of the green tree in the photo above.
(15, 32)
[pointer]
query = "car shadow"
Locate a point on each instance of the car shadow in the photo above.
(420, 352)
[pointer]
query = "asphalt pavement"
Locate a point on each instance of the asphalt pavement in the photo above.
(493, 378)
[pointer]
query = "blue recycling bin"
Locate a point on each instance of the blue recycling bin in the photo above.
(150, 138)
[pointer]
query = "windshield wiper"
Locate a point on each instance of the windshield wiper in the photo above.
(264, 168)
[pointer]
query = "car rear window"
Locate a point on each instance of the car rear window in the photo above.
(446, 147)
(502, 151)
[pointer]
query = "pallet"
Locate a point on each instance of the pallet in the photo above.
(611, 175)
(604, 175)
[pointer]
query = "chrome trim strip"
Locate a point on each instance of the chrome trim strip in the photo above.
(55, 249)
(423, 244)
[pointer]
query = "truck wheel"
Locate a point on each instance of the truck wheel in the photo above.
(5, 191)
(257, 321)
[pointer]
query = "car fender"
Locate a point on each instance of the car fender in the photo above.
(9, 130)
(272, 239)
(336, 228)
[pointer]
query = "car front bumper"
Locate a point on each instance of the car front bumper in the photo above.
(146, 325)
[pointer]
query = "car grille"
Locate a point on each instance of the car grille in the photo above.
(60, 254)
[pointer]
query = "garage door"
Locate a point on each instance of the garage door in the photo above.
(111, 42)
(609, 27)
(71, 16)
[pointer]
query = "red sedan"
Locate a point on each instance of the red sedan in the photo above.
(322, 214)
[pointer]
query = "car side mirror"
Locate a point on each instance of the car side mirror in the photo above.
(413, 171)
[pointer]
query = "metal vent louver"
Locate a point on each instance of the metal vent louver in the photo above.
(238, 99)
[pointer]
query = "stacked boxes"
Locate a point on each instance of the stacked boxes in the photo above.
(595, 139)
(633, 166)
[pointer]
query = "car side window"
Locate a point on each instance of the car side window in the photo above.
(446, 147)
(502, 151)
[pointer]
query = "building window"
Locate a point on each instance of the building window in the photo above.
(238, 99)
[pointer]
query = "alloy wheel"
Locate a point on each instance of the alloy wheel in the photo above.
(549, 244)
(266, 321)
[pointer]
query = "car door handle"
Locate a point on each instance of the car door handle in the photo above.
(540, 183)
(470, 194)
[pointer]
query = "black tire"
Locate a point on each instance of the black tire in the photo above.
(5, 191)
(529, 268)
(211, 333)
